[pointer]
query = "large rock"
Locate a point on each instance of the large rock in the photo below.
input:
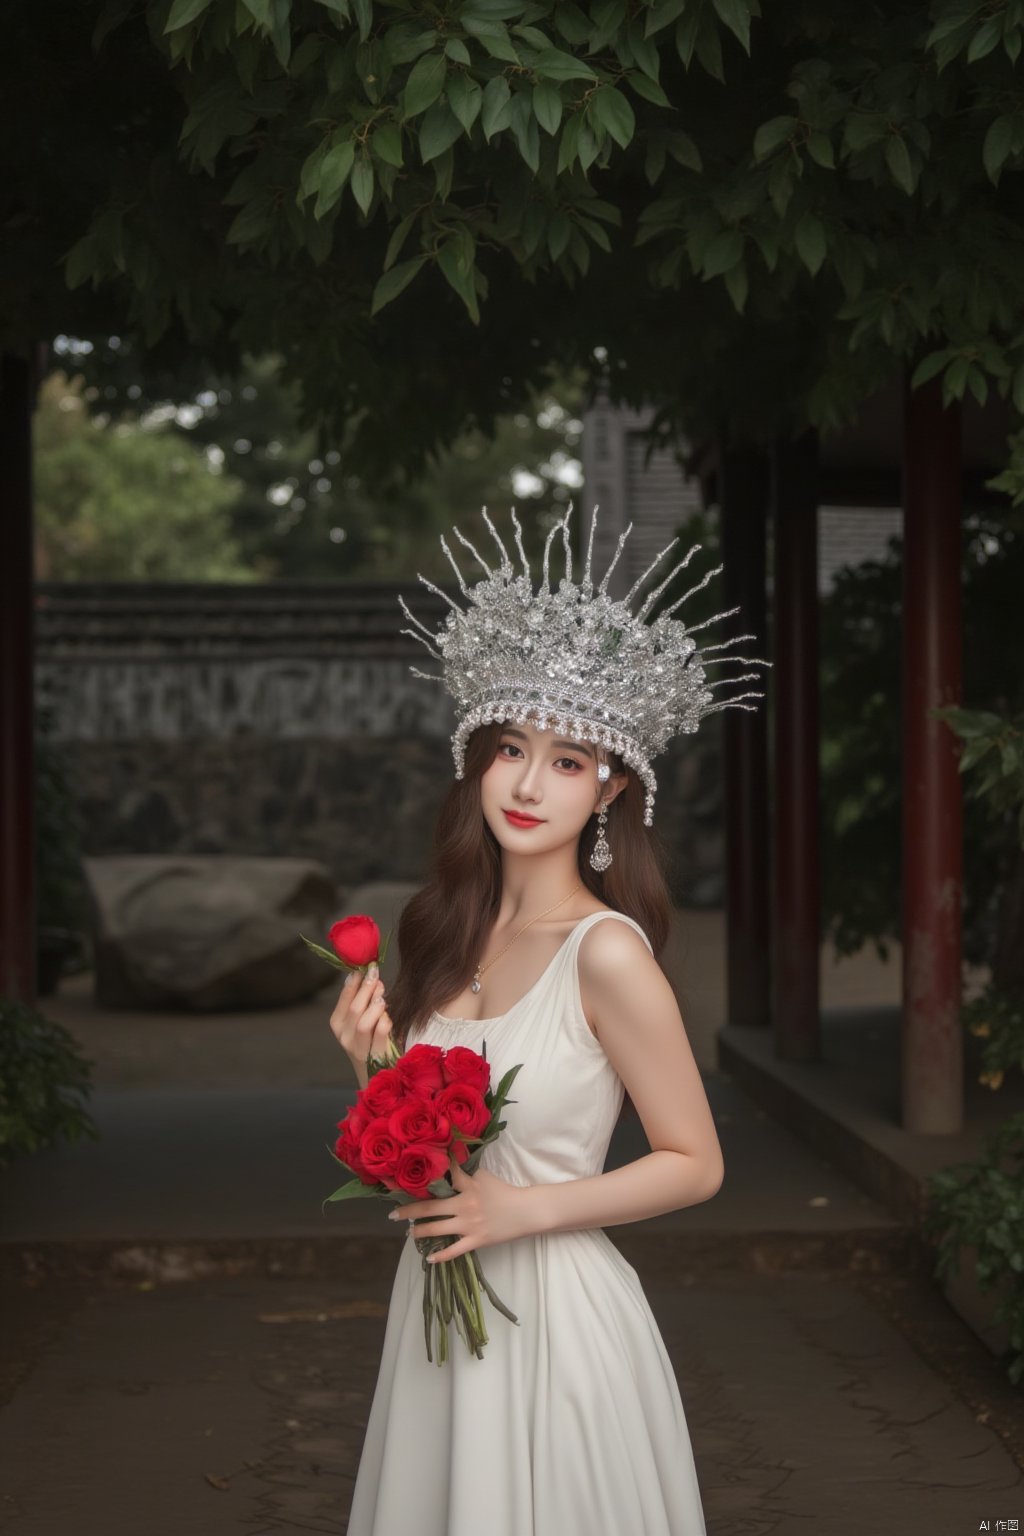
(208, 931)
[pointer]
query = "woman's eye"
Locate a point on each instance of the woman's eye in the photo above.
(571, 761)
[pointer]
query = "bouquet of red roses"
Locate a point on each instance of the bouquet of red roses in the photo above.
(408, 1127)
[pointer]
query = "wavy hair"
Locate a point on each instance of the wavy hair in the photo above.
(444, 926)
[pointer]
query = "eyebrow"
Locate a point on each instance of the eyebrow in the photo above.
(559, 741)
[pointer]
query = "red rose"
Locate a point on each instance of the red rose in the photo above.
(461, 1065)
(356, 940)
(465, 1108)
(421, 1069)
(459, 1151)
(379, 1149)
(381, 1094)
(347, 1148)
(419, 1164)
(419, 1120)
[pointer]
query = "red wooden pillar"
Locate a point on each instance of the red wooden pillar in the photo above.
(932, 804)
(794, 688)
(17, 884)
(744, 485)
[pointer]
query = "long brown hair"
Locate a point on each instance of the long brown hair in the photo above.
(443, 928)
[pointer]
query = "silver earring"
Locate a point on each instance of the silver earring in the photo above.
(601, 854)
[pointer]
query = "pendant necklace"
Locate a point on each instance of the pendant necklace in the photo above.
(474, 985)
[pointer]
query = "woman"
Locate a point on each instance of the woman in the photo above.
(536, 937)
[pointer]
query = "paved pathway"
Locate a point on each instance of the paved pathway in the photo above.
(204, 1408)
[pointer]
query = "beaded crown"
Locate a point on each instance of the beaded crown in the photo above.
(572, 657)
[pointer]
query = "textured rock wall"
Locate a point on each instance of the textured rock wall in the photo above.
(283, 720)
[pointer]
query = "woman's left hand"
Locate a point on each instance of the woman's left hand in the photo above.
(484, 1210)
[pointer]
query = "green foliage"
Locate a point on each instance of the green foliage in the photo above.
(996, 747)
(860, 633)
(301, 510)
(996, 1016)
(61, 898)
(126, 502)
(980, 1206)
(44, 1082)
(867, 149)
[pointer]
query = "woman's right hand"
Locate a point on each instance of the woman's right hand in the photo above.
(360, 1021)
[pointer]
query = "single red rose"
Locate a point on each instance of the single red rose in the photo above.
(465, 1108)
(356, 940)
(379, 1149)
(419, 1164)
(461, 1065)
(381, 1094)
(421, 1068)
(419, 1120)
(459, 1151)
(347, 1148)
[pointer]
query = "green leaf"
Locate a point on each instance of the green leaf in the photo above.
(553, 64)
(809, 238)
(259, 10)
(524, 128)
(399, 236)
(80, 263)
(362, 182)
(456, 49)
(662, 15)
(335, 168)
(439, 129)
(685, 152)
(929, 366)
(897, 158)
(494, 38)
(723, 252)
(568, 148)
(456, 260)
(183, 12)
(392, 283)
(425, 83)
(497, 107)
(771, 134)
(997, 146)
(387, 142)
(364, 17)
(736, 15)
(559, 230)
(339, 7)
(819, 147)
(736, 283)
(985, 39)
(465, 99)
(547, 106)
(611, 109)
(649, 89)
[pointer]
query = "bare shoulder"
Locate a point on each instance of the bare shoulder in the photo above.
(615, 967)
(607, 948)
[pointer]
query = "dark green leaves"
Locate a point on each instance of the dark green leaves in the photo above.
(425, 84)
(614, 113)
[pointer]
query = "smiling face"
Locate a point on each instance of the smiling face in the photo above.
(546, 776)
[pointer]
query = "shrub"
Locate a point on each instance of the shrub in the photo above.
(44, 1082)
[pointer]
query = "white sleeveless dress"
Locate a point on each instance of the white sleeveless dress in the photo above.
(572, 1423)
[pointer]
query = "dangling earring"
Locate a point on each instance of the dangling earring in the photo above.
(601, 854)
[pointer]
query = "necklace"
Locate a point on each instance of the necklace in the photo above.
(474, 985)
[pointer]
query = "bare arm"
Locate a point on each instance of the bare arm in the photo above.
(628, 999)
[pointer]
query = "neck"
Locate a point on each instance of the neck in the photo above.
(530, 883)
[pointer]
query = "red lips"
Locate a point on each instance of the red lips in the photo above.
(518, 820)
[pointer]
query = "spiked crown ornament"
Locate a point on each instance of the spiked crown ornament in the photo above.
(573, 658)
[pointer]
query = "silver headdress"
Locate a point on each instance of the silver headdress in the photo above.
(574, 658)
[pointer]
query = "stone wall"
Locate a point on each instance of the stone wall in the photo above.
(283, 719)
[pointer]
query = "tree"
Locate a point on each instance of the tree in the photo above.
(127, 502)
(841, 175)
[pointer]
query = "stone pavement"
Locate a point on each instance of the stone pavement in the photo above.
(205, 1408)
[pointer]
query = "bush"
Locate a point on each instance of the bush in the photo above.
(44, 1081)
(981, 1205)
